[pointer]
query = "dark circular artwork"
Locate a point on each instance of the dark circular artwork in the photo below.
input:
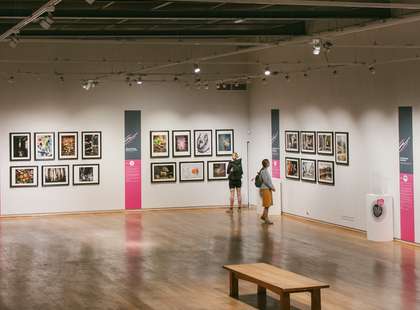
(377, 210)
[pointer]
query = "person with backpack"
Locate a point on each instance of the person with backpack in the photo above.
(235, 173)
(264, 182)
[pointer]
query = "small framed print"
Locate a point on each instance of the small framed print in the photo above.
(55, 175)
(24, 176)
(342, 148)
(191, 171)
(308, 170)
(91, 144)
(203, 142)
(163, 172)
(86, 174)
(325, 142)
(224, 142)
(68, 145)
(308, 142)
(292, 168)
(217, 170)
(291, 139)
(159, 144)
(326, 172)
(44, 145)
(20, 146)
(181, 143)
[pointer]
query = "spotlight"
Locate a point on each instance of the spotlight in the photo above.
(264, 80)
(46, 22)
(316, 46)
(239, 21)
(218, 85)
(335, 72)
(13, 41)
(305, 74)
(89, 84)
(176, 78)
(139, 81)
(287, 77)
(372, 70)
(197, 69)
(90, 2)
(267, 71)
(327, 46)
(11, 79)
(61, 78)
(206, 86)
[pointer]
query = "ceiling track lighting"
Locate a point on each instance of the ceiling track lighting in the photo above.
(46, 21)
(287, 77)
(267, 71)
(89, 84)
(13, 41)
(327, 46)
(372, 70)
(139, 81)
(316, 46)
(196, 69)
(90, 2)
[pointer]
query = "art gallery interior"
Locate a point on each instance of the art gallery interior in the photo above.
(119, 119)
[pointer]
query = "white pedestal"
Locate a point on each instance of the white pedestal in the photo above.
(275, 209)
(379, 217)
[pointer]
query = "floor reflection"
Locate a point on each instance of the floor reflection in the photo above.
(410, 297)
(134, 257)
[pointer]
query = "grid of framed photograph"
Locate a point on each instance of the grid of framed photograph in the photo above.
(292, 168)
(325, 142)
(163, 172)
(291, 139)
(67, 145)
(308, 170)
(192, 171)
(203, 145)
(159, 144)
(181, 143)
(91, 145)
(86, 174)
(24, 176)
(20, 146)
(224, 142)
(308, 142)
(44, 145)
(55, 175)
(342, 148)
(217, 170)
(326, 172)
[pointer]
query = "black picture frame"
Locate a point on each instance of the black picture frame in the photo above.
(302, 173)
(195, 144)
(303, 149)
(44, 184)
(320, 181)
(11, 172)
(82, 140)
(153, 165)
(59, 144)
(176, 153)
(191, 162)
(12, 148)
(222, 152)
(347, 151)
(86, 165)
(36, 157)
(210, 175)
(288, 176)
(287, 147)
(318, 144)
(167, 153)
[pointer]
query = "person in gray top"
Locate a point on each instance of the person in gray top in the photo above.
(266, 190)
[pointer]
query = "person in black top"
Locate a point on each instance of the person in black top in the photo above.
(235, 173)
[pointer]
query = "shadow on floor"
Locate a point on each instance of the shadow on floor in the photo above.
(262, 303)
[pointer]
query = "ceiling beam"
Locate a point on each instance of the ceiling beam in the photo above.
(320, 3)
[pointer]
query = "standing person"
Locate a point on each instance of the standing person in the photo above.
(235, 173)
(266, 190)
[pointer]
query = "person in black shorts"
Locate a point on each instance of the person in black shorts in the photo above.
(235, 173)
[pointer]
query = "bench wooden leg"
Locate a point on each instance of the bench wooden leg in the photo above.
(262, 291)
(316, 299)
(234, 289)
(262, 297)
(285, 301)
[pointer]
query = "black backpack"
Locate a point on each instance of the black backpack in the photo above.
(258, 179)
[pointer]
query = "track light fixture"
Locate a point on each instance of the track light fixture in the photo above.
(90, 2)
(139, 81)
(89, 84)
(267, 71)
(335, 72)
(46, 22)
(287, 77)
(372, 70)
(196, 69)
(316, 46)
(327, 46)
(305, 74)
(13, 41)
(11, 79)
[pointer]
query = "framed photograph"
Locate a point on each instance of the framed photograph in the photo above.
(181, 143)
(163, 172)
(86, 174)
(44, 145)
(55, 175)
(325, 142)
(203, 142)
(326, 172)
(67, 145)
(308, 170)
(159, 144)
(191, 171)
(308, 142)
(292, 168)
(224, 142)
(291, 139)
(91, 145)
(217, 170)
(20, 146)
(24, 176)
(342, 148)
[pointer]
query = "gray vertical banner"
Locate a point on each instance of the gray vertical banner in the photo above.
(275, 143)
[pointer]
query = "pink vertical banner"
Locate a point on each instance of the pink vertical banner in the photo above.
(407, 206)
(132, 184)
(275, 167)
(275, 143)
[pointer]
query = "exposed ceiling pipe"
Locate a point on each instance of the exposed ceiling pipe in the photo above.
(46, 8)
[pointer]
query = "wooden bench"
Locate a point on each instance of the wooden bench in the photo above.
(277, 280)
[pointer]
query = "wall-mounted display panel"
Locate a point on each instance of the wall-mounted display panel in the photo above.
(55, 175)
(291, 140)
(292, 168)
(159, 144)
(191, 171)
(68, 145)
(342, 148)
(86, 174)
(308, 170)
(163, 172)
(325, 142)
(308, 142)
(20, 146)
(326, 172)
(224, 142)
(24, 176)
(44, 145)
(91, 144)
(181, 143)
(203, 145)
(217, 170)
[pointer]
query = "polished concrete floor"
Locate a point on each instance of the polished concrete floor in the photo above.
(173, 260)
